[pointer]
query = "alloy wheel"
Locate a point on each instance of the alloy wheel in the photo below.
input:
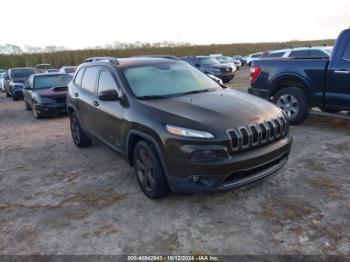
(144, 169)
(75, 129)
(289, 104)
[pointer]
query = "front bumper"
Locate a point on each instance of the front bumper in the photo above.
(52, 109)
(238, 170)
(17, 92)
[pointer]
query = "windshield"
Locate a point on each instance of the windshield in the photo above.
(70, 70)
(225, 59)
(167, 80)
(48, 81)
(208, 61)
(22, 73)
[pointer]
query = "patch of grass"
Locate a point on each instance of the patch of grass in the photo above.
(97, 199)
(313, 165)
(284, 210)
(105, 230)
(327, 185)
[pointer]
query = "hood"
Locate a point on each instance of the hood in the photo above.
(216, 110)
(52, 92)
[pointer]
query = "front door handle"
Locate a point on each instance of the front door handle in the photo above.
(95, 103)
(341, 72)
(76, 94)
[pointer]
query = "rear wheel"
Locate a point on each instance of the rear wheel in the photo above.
(149, 172)
(78, 135)
(294, 103)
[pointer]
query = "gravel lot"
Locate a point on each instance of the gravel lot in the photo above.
(58, 199)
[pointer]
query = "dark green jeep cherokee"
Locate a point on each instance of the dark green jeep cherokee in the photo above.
(180, 130)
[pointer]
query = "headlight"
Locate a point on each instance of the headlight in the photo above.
(181, 131)
(46, 100)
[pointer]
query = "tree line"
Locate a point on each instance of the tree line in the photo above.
(15, 56)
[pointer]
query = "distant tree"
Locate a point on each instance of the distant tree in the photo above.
(9, 49)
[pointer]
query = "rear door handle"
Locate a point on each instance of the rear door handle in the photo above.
(341, 72)
(95, 103)
(76, 94)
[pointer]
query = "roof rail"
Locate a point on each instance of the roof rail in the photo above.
(107, 59)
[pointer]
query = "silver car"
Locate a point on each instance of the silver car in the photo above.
(3, 78)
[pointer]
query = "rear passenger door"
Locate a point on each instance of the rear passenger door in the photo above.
(86, 98)
(110, 113)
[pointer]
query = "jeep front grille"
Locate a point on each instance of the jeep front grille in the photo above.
(255, 135)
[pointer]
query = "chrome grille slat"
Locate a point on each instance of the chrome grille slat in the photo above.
(258, 134)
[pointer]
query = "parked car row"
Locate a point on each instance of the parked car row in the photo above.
(317, 52)
(43, 93)
(213, 65)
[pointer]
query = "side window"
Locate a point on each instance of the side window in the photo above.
(79, 76)
(300, 53)
(317, 54)
(346, 54)
(106, 81)
(279, 54)
(89, 78)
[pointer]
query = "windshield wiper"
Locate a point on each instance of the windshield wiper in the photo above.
(176, 94)
(198, 91)
(150, 97)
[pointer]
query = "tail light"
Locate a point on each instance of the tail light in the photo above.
(254, 73)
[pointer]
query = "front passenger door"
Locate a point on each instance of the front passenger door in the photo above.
(110, 113)
(338, 80)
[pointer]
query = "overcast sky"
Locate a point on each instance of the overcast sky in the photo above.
(79, 24)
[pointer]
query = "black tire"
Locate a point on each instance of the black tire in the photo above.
(78, 135)
(35, 112)
(328, 110)
(7, 94)
(302, 104)
(149, 172)
(15, 98)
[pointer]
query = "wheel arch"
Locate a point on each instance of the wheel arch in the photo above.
(289, 80)
(133, 137)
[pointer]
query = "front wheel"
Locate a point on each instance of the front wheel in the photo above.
(35, 111)
(294, 103)
(78, 135)
(149, 172)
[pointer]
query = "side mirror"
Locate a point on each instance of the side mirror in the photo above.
(109, 95)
